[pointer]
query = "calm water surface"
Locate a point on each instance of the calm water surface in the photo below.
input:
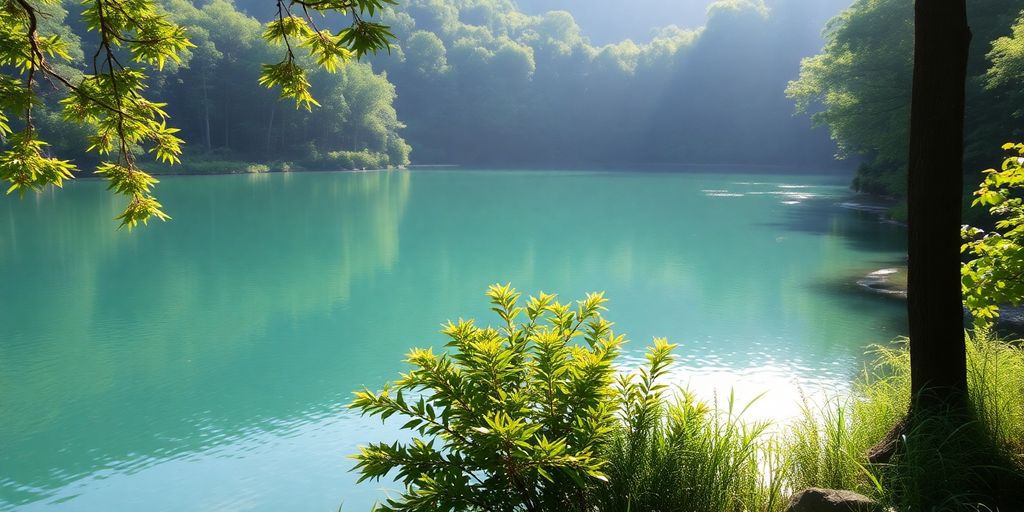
(204, 363)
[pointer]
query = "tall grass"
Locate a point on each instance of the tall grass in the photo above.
(692, 457)
(996, 379)
(944, 461)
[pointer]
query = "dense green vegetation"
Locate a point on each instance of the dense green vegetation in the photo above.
(480, 82)
(532, 415)
(98, 106)
(535, 414)
(859, 86)
(961, 466)
(993, 276)
(224, 114)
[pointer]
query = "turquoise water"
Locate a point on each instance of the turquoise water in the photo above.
(204, 363)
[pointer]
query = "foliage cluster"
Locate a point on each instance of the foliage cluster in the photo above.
(356, 160)
(105, 96)
(533, 415)
(220, 112)
(108, 99)
(859, 85)
(481, 82)
(994, 275)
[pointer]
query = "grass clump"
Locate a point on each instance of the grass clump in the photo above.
(945, 461)
(685, 455)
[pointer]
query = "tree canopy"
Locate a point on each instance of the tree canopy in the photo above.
(481, 82)
(105, 95)
(859, 86)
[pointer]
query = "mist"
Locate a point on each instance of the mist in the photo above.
(480, 82)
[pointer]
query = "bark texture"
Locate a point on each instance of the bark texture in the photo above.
(937, 350)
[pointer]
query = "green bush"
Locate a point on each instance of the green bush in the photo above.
(398, 150)
(356, 159)
(367, 160)
(200, 165)
(341, 159)
(532, 415)
(514, 418)
(992, 277)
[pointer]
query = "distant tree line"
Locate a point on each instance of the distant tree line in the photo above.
(480, 82)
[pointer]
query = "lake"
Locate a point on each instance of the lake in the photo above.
(204, 363)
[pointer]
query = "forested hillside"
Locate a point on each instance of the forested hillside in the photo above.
(480, 82)
(227, 118)
(859, 86)
(483, 82)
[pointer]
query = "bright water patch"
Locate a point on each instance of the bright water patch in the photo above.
(204, 363)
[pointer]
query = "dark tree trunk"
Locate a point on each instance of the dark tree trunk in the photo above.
(935, 187)
(938, 360)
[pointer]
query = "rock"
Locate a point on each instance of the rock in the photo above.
(831, 500)
(891, 282)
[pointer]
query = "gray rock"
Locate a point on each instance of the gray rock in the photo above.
(831, 500)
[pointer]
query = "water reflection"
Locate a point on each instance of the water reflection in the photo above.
(123, 350)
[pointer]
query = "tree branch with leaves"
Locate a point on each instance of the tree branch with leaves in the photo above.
(136, 36)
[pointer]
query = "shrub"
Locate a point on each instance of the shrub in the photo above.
(201, 165)
(398, 150)
(993, 275)
(286, 166)
(342, 159)
(533, 415)
(366, 160)
(357, 159)
(513, 418)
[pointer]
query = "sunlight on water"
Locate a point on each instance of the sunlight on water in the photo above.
(204, 363)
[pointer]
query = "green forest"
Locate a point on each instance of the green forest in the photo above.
(481, 82)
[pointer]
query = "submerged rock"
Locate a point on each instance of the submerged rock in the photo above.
(891, 282)
(831, 500)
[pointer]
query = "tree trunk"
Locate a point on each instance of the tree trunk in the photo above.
(935, 187)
